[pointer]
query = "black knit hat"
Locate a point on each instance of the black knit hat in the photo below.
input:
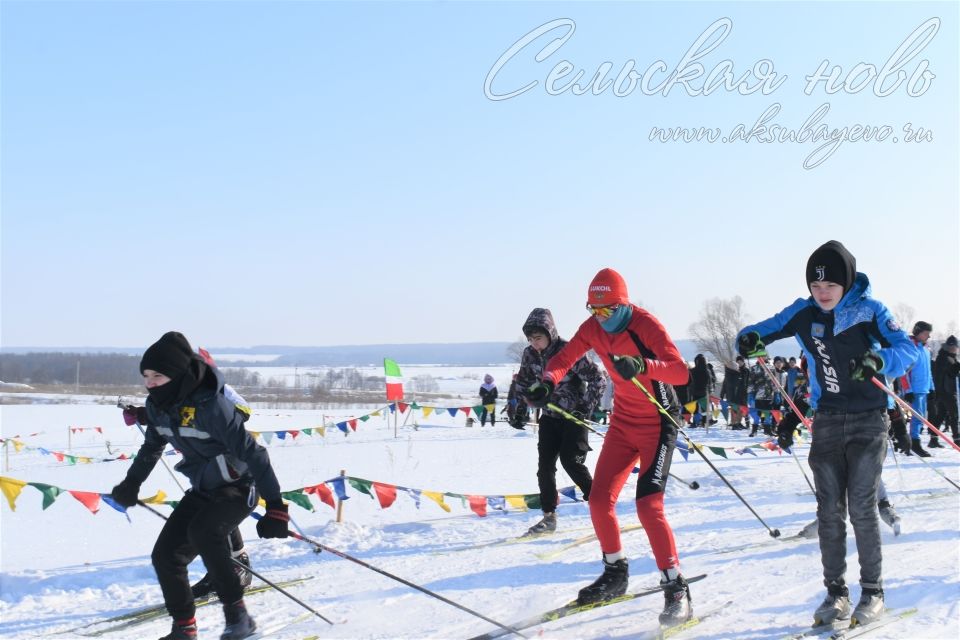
(831, 262)
(951, 341)
(170, 355)
(921, 326)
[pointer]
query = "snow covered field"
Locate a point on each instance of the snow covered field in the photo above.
(63, 566)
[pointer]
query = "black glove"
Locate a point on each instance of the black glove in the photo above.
(125, 493)
(785, 438)
(629, 367)
(864, 367)
(749, 345)
(273, 524)
(538, 394)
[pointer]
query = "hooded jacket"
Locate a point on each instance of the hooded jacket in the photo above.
(581, 387)
(831, 339)
(208, 430)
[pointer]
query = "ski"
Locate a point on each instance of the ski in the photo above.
(269, 628)
(669, 632)
(572, 608)
(764, 543)
(889, 617)
(503, 542)
(146, 614)
(590, 537)
(841, 629)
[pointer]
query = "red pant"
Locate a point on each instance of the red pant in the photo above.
(649, 446)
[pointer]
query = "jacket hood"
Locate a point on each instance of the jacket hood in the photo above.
(541, 319)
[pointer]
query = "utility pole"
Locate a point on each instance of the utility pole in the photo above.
(77, 385)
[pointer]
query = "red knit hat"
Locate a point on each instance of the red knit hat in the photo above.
(607, 287)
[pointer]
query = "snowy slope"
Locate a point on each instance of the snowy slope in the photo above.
(63, 566)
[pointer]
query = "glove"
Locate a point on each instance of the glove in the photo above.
(133, 415)
(628, 367)
(538, 394)
(125, 493)
(785, 439)
(866, 366)
(749, 345)
(273, 524)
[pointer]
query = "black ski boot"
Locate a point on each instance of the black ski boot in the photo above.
(239, 623)
(611, 583)
(182, 630)
(934, 443)
(204, 586)
(918, 449)
(676, 595)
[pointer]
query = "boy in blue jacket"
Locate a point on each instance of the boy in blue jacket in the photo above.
(848, 338)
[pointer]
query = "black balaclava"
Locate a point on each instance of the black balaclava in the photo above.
(173, 356)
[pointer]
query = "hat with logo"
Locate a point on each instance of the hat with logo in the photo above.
(170, 355)
(921, 326)
(831, 262)
(606, 288)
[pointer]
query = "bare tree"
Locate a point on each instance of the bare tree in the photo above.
(716, 330)
(903, 314)
(515, 350)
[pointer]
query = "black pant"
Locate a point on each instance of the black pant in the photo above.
(943, 413)
(559, 438)
(483, 417)
(200, 525)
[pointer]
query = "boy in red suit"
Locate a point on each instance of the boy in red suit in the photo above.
(632, 342)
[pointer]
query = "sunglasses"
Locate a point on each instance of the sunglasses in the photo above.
(604, 311)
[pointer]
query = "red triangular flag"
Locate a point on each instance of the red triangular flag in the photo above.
(89, 500)
(478, 504)
(386, 494)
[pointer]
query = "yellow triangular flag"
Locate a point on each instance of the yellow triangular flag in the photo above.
(427, 411)
(17, 445)
(322, 431)
(160, 498)
(516, 502)
(691, 406)
(436, 497)
(11, 488)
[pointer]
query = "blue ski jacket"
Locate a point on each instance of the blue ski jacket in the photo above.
(920, 375)
(830, 339)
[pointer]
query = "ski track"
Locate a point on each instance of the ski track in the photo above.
(63, 567)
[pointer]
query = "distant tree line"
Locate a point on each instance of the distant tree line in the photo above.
(62, 368)
(124, 370)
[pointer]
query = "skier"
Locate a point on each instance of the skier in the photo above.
(632, 342)
(918, 384)
(187, 408)
(578, 393)
(848, 338)
(488, 396)
(946, 369)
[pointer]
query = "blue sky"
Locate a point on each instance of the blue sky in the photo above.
(317, 173)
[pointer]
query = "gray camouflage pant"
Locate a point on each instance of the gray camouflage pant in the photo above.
(846, 456)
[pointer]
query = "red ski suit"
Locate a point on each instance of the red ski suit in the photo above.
(639, 434)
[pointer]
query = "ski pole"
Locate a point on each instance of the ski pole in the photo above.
(938, 472)
(144, 434)
(783, 392)
(693, 485)
(774, 533)
(572, 418)
(345, 556)
(896, 460)
(805, 477)
(247, 567)
(569, 416)
(906, 407)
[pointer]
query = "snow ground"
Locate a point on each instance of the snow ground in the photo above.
(63, 566)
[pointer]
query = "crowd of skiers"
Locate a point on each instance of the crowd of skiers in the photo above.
(847, 338)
